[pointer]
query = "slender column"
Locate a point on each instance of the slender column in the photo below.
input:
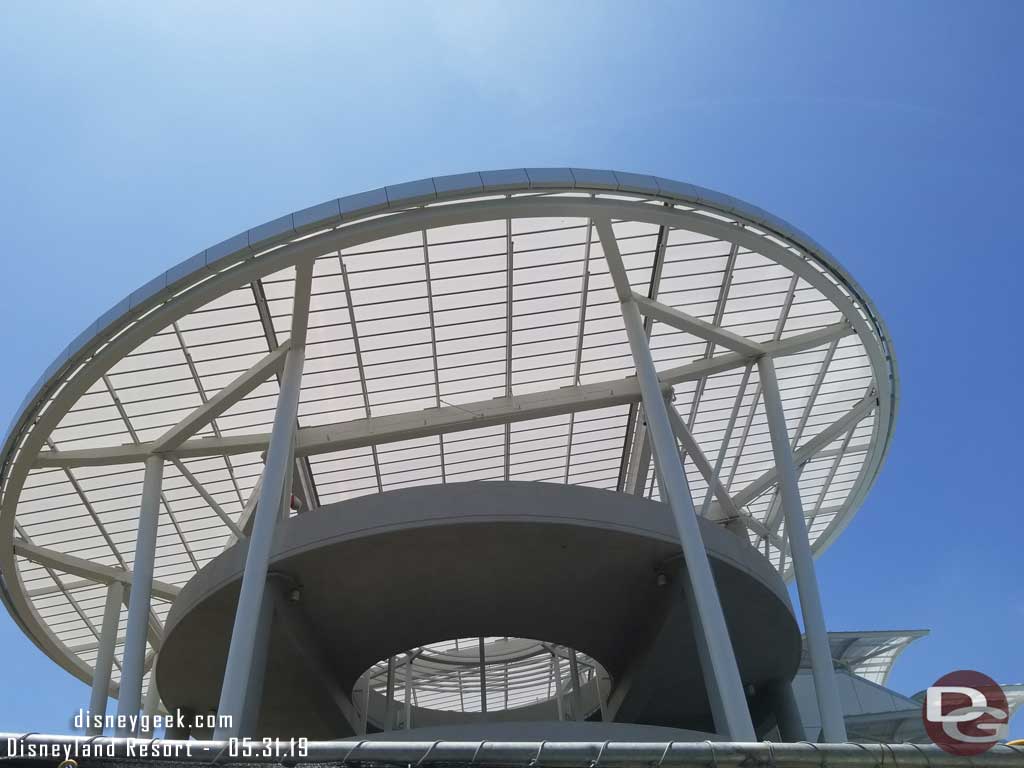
(133, 664)
(366, 706)
(832, 723)
(556, 670)
(723, 668)
(105, 656)
(577, 700)
(483, 678)
(276, 473)
(389, 693)
(704, 655)
(254, 693)
(408, 691)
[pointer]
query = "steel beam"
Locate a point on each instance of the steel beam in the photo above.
(577, 699)
(699, 328)
(808, 450)
(727, 509)
(256, 376)
(736, 715)
(639, 458)
(483, 678)
(832, 723)
(389, 695)
(275, 473)
(379, 430)
(105, 657)
(87, 569)
(211, 502)
(132, 670)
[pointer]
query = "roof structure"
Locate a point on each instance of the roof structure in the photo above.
(461, 328)
(869, 654)
(446, 675)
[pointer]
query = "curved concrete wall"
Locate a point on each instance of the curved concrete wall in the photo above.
(565, 564)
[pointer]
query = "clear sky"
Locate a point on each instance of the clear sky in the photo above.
(135, 134)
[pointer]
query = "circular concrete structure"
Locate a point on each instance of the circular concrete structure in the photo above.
(579, 568)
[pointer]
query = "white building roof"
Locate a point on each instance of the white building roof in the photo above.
(461, 328)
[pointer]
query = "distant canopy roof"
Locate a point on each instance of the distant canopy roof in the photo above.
(869, 654)
(461, 328)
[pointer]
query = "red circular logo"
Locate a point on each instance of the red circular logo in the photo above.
(965, 712)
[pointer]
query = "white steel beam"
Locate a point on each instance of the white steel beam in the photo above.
(832, 723)
(727, 437)
(268, 511)
(700, 328)
(86, 569)
(134, 656)
(245, 383)
(105, 657)
(378, 430)
(205, 495)
(639, 458)
(722, 671)
(808, 450)
(727, 505)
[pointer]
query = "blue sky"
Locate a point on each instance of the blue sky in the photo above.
(137, 134)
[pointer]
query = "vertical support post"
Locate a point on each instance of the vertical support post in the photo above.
(276, 472)
(704, 655)
(366, 706)
(389, 694)
(105, 657)
(832, 723)
(250, 718)
(577, 700)
(483, 678)
(556, 670)
(132, 667)
(737, 725)
(600, 696)
(408, 691)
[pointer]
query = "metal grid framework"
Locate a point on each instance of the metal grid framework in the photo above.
(518, 673)
(460, 329)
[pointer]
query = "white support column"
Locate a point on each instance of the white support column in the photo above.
(389, 695)
(408, 691)
(133, 664)
(249, 724)
(105, 656)
(276, 472)
(577, 699)
(832, 723)
(556, 672)
(366, 705)
(483, 679)
(723, 668)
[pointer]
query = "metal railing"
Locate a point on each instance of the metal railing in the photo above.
(53, 749)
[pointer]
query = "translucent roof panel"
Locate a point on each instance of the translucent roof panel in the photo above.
(870, 654)
(473, 334)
